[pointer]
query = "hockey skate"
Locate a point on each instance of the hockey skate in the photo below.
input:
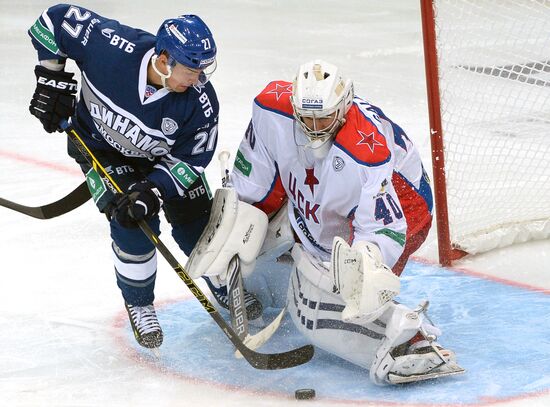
(422, 361)
(145, 325)
(417, 358)
(254, 308)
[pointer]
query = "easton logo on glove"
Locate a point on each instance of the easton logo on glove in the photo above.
(71, 86)
(54, 98)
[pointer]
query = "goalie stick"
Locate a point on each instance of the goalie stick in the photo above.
(235, 291)
(235, 288)
(266, 361)
(73, 200)
(239, 319)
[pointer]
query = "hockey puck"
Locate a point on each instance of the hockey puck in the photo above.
(304, 394)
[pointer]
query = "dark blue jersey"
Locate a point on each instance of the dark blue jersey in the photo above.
(174, 133)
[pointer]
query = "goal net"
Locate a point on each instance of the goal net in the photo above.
(493, 63)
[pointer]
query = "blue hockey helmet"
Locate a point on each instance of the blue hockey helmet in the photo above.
(187, 40)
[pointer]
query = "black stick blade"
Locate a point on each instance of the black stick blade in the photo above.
(275, 361)
(66, 204)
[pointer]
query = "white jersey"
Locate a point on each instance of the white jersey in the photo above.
(365, 188)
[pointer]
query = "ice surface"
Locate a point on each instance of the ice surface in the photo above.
(65, 339)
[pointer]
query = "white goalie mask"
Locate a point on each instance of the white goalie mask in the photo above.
(320, 98)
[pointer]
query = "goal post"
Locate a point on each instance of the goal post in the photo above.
(487, 66)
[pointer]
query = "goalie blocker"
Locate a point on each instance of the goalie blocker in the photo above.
(235, 228)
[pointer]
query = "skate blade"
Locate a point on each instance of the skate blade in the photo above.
(398, 379)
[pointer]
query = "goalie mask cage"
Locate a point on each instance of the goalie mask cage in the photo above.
(488, 79)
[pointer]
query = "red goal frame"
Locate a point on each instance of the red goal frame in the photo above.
(446, 252)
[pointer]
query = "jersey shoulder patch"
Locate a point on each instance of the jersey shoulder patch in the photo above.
(276, 97)
(360, 139)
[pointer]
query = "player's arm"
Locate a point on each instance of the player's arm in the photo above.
(182, 170)
(255, 176)
(362, 272)
(64, 31)
(170, 178)
(238, 223)
(59, 33)
(379, 218)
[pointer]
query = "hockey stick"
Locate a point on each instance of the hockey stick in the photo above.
(236, 289)
(66, 204)
(258, 360)
(235, 292)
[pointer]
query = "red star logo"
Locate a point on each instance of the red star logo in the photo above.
(311, 180)
(368, 140)
(280, 90)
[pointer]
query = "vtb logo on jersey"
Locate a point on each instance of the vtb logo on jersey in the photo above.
(107, 32)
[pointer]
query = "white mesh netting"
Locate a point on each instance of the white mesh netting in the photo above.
(494, 67)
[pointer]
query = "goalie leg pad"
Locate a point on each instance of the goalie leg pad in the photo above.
(279, 238)
(316, 312)
(234, 228)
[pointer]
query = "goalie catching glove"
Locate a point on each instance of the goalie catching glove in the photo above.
(365, 283)
(54, 97)
(234, 228)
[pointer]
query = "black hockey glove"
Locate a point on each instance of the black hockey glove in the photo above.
(141, 202)
(54, 97)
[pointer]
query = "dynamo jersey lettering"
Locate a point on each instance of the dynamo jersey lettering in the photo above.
(120, 131)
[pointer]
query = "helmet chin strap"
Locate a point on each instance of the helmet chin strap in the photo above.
(163, 77)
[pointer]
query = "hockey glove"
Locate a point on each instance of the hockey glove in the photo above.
(54, 97)
(141, 202)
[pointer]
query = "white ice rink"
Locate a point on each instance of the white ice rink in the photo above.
(63, 329)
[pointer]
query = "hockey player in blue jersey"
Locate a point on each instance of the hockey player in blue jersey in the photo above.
(150, 115)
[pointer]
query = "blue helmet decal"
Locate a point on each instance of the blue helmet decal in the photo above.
(188, 40)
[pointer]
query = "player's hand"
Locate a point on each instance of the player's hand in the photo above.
(54, 97)
(141, 202)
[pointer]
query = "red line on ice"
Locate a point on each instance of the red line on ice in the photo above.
(40, 163)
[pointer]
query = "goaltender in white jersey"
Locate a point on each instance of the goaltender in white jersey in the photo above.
(346, 193)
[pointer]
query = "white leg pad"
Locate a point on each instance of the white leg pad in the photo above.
(317, 314)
